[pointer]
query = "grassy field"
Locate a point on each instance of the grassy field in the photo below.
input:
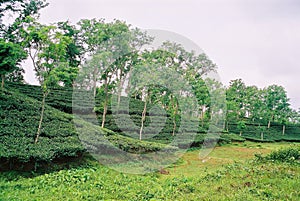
(193, 165)
(228, 173)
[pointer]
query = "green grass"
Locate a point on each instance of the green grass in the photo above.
(192, 164)
(212, 180)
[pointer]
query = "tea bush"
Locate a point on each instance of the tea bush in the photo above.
(19, 117)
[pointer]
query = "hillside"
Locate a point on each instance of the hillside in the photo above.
(261, 132)
(158, 125)
(19, 123)
(59, 139)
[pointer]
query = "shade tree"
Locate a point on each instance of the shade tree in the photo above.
(47, 48)
(10, 57)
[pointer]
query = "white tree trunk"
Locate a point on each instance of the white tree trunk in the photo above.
(41, 119)
(269, 124)
(105, 104)
(283, 130)
(143, 118)
(174, 120)
(120, 92)
(95, 82)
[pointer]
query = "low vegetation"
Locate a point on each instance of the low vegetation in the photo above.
(237, 178)
(55, 136)
(287, 155)
(59, 138)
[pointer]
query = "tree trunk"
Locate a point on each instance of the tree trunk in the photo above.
(283, 130)
(119, 95)
(2, 84)
(202, 116)
(262, 135)
(227, 126)
(120, 92)
(240, 133)
(174, 127)
(174, 120)
(95, 82)
(143, 118)
(94, 90)
(41, 119)
(105, 104)
(269, 124)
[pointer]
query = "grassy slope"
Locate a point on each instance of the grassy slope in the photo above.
(192, 165)
(243, 180)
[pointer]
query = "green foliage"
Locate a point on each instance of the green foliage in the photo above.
(268, 105)
(16, 76)
(235, 96)
(288, 155)
(277, 103)
(235, 181)
(18, 11)
(19, 119)
(10, 57)
(274, 133)
(74, 50)
(232, 137)
(59, 136)
(61, 98)
(241, 126)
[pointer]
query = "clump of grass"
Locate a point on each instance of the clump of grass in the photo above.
(289, 155)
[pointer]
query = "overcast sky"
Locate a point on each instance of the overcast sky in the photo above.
(256, 40)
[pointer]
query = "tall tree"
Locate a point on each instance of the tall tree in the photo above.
(217, 102)
(14, 15)
(75, 50)
(241, 126)
(98, 38)
(235, 96)
(277, 103)
(10, 57)
(47, 49)
(114, 48)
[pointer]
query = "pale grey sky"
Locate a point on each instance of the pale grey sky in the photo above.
(256, 40)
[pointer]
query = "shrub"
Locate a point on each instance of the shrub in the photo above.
(289, 155)
(59, 137)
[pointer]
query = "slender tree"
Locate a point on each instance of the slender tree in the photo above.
(241, 126)
(47, 49)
